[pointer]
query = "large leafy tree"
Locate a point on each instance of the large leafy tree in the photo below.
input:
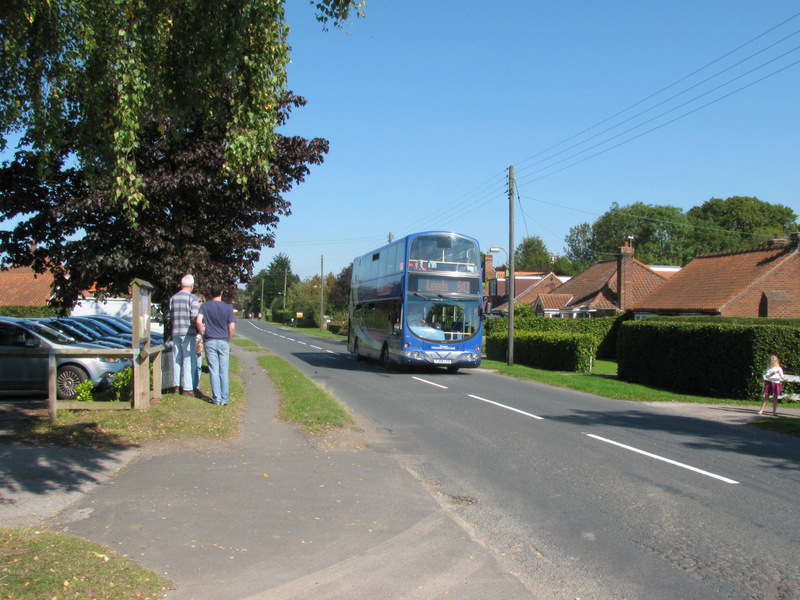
(86, 77)
(667, 235)
(532, 255)
(741, 221)
(660, 234)
(196, 220)
(148, 137)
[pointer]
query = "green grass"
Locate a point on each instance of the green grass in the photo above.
(302, 401)
(171, 417)
(603, 382)
(43, 564)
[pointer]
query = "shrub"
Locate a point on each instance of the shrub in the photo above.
(122, 385)
(555, 351)
(603, 329)
(27, 311)
(722, 359)
(85, 391)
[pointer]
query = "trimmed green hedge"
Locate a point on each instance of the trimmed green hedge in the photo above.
(28, 311)
(555, 351)
(604, 329)
(715, 358)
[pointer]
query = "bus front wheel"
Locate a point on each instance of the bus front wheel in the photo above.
(355, 351)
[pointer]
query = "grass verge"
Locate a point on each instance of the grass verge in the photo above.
(171, 417)
(302, 401)
(44, 564)
(602, 382)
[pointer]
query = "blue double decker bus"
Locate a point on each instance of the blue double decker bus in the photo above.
(418, 301)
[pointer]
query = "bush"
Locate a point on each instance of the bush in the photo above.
(27, 311)
(84, 391)
(122, 385)
(554, 351)
(603, 329)
(724, 359)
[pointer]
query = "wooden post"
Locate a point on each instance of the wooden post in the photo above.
(52, 388)
(140, 292)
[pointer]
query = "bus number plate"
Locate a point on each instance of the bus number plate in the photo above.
(441, 361)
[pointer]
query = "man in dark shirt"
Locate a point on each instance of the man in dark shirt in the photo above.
(217, 323)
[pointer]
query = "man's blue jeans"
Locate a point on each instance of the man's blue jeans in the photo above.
(184, 361)
(218, 354)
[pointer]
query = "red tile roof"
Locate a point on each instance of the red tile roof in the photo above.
(711, 281)
(22, 287)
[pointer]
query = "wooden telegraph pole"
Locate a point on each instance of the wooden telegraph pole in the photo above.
(510, 284)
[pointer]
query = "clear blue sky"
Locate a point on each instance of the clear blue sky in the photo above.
(427, 104)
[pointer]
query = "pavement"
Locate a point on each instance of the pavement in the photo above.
(274, 513)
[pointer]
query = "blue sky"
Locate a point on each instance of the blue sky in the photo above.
(427, 104)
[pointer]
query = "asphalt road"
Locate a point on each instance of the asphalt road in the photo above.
(604, 498)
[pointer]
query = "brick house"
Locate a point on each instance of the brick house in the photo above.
(527, 286)
(758, 282)
(604, 289)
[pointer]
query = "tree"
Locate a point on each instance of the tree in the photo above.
(579, 247)
(196, 220)
(86, 77)
(270, 284)
(339, 297)
(741, 221)
(660, 234)
(532, 255)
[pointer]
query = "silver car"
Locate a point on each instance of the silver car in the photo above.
(28, 374)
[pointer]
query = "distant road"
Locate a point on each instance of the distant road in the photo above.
(581, 496)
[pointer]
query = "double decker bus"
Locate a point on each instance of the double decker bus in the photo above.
(418, 301)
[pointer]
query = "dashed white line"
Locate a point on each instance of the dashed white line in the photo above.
(444, 387)
(663, 459)
(511, 408)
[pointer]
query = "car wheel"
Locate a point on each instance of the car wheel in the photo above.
(68, 379)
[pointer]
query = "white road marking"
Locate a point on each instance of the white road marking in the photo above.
(661, 458)
(444, 387)
(516, 410)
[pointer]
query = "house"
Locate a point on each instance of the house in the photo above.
(759, 282)
(604, 289)
(527, 286)
(20, 286)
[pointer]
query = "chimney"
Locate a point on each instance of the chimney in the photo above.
(624, 273)
(488, 267)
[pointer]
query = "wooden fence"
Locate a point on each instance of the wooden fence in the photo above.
(143, 361)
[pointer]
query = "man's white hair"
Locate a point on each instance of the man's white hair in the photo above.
(187, 281)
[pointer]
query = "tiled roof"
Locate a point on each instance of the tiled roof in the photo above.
(596, 287)
(528, 296)
(710, 281)
(554, 301)
(22, 287)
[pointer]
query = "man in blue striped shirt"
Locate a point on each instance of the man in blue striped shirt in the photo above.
(183, 309)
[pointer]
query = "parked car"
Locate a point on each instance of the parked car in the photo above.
(27, 374)
(80, 332)
(102, 329)
(125, 326)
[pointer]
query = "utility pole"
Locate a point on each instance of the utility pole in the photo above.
(321, 292)
(511, 275)
(285, 273)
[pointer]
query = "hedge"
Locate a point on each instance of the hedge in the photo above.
(28, 311)
(603, 329)
(714, 358)
(555, 351)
